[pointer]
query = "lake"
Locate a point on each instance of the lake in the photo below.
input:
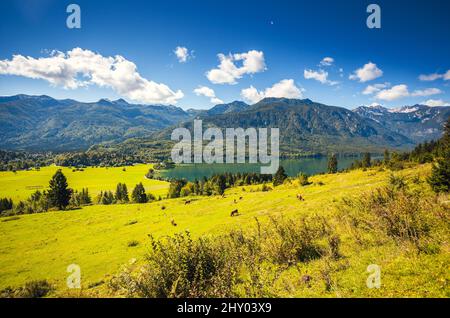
(309, 166)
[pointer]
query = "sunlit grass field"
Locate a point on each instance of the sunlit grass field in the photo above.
(97, 237)
(21, 184)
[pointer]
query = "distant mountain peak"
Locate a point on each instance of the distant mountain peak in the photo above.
(235, 106)
(121, 101)
(104, 101)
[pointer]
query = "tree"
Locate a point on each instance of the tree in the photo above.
(440, 173)
(59, 193)
(386, 157)
(303, 179)
(122, 193)
(279, 177)
(366, 161)
(175, 188)
(138, 195)
(220, 184)
(5, 204)
(332, 164)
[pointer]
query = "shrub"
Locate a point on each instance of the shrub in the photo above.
(180, 267)
(133, 243)
(230, 265)
(33, 289)
(303, 179)
(290, 242)
(399, 214)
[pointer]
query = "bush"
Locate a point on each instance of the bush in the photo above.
(290, 242)
(180, 267)
(230, 265)
(394, 212)
(303, 179)
(133, 243)
(33, 289)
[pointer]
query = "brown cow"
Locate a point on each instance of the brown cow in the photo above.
(299, 196)
(234, 213)
(187, 202)
(173, 223)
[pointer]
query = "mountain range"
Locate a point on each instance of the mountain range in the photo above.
(419, 122)
(44, 123)
(39, 123)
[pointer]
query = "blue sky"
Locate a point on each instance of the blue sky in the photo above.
(269, 48)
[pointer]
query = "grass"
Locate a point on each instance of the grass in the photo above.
(21, 184)
(97, 238)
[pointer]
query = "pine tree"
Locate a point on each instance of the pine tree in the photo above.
(386, 157)
(122, 193)
(440, 173)
(138, 195)
(59, 194)
(279, 177)
(332, 164)
(366, 161)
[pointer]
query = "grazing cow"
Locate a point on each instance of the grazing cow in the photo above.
(299, 196)
(187, 202)
(307, 280)
(234, 213)
(173, 223)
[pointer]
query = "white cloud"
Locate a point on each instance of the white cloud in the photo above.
(80, 68)
(393, 93)
(426, 92)
(400, 91)
(368, 72)
(182, 54)
(327, 61)
(372, 89)
(228, 72)
(430, 77)
(208, 92)
(320, 76)
(285, 88)
(435, 103)
(435, 76)
(447, 75)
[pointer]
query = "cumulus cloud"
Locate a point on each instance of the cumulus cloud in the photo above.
(182, 54)
(327, 61)
(435, 103)
(400, 91)
(80, 68)
(393, 93)
(208, 92)
(228, 72)
(285, 88)
(435, 76)
(426, 92)
(368, 72)
(320, 76)
(372, 89)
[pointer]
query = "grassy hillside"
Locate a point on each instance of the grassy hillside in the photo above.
(100, 239)
(21, 184)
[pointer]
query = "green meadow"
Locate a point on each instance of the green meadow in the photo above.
(98, 237)
(21, 184)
